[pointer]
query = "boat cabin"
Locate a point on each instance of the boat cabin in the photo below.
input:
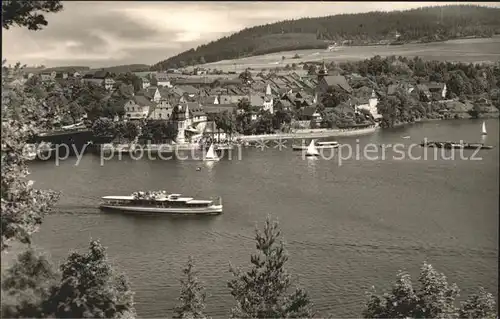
(159, 200)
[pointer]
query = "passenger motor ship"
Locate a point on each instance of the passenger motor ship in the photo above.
(162, 203)
(318, 145)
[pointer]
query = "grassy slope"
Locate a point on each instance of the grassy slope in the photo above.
(113, 69)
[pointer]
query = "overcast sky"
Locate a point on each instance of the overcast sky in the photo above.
(104, 33)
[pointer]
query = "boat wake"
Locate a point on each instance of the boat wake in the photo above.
(400, 250)
(75, 210)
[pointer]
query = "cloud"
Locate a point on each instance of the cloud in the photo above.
(104, 33)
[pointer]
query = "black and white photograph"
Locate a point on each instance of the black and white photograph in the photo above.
(250, 159)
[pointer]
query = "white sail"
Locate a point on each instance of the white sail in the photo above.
(484, 129)
(211, 156)
(311, 149)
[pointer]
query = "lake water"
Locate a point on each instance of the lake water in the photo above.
(347, 227)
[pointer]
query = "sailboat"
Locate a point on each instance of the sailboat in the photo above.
(311, 149)
(483, 132)
(211, 156)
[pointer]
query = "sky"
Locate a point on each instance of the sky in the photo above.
(101, 33)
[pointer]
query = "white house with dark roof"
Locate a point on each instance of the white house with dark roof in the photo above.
(163, 79)
(137, 108)
(190, 118)
(161, 111)
(145, 82)
(48, 76)
(100, 78)
(369, 104)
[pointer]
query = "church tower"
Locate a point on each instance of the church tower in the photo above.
(322, 72)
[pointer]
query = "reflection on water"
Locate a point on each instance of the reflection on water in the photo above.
(312, 163)
(209, 165)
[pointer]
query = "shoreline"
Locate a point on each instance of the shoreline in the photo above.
(309, 134)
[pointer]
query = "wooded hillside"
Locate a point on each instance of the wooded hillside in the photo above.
(422, 25)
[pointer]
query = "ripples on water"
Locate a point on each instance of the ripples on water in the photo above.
(347, 227)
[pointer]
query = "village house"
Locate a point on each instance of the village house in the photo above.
(187, 90)
(190, 118)
(367, 101)
(48, 75)
(279, 83)
(423, 89)
(230, 99)
(262, 102)
(62, 75)
(312, 114)
(211, 110)
(161, 111)
(437, 90)
(403, 86)
(145, 82)
(336, 82)
(283, 105)
(152, 93)
(100, 78)
(196, 81)
(162, 79)
(225, 82)
(211, 99)
(200, 71)
(137, 108)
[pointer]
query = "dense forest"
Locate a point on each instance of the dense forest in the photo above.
(422, 25)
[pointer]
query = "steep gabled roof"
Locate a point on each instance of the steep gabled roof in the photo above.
(309, 111)
(433, 86)
(162, 77)
(338, 81)
(217, 108)
(141, 100)
(229, 99)
(256, 100)
(188, 89)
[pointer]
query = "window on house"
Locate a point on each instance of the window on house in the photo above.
(159, 115)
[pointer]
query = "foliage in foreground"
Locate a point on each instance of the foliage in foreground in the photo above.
(192, 297)
(263, 291)
(27, 285)
(86, 287)
(435, 298)
(27, 13)
(22, 207)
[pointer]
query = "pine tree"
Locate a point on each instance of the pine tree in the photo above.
(262, 292)
(435, 298)
(192, 298)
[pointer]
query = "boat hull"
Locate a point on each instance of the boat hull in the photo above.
(304, 148)
(210, 210)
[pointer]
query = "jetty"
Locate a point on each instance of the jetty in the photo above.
(456, 145)
(310, 133)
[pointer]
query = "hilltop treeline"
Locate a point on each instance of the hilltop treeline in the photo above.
(423, 24)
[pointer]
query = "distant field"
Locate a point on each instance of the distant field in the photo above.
(464, 50)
